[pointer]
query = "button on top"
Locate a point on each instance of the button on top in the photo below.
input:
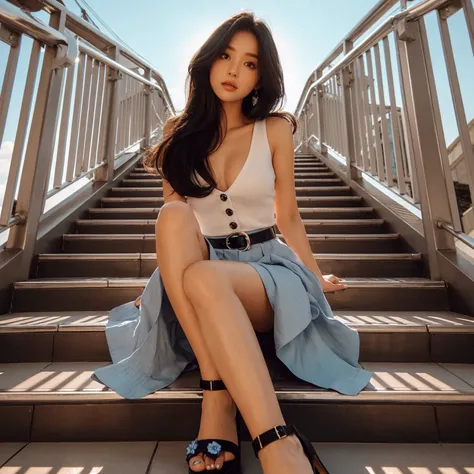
(229, 212)
(233, 225)
(223, 197)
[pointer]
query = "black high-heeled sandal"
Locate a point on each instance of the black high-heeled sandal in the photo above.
(214, 447)
(282, 431)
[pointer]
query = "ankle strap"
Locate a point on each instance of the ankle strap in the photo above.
(273, 434)
(212, 385)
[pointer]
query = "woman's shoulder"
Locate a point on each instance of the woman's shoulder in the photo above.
(278, 128)
(281, 121)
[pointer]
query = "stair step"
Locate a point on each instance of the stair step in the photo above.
(416, 294)
(143, 264)
(322, 190)
(167, 456)
(420, 402)
(315, 179)
(304, 169)
(147, 226)
(320, 243)
(303, 201)
(152, 213)
(385, 336)
(316, 173)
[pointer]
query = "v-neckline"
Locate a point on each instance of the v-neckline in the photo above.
(245, 162)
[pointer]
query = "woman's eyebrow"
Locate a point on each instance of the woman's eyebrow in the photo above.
(247, 54)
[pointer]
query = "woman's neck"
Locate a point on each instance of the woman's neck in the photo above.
(233, 117)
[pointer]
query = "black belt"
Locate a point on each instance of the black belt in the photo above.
(242, 240)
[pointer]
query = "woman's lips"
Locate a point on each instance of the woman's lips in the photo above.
(228, 87)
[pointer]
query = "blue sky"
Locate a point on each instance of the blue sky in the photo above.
(167, 34)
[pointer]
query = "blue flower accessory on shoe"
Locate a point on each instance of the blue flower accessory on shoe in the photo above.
(192, 446)
(214, 448)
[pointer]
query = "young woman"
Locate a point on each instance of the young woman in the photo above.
(227, 165)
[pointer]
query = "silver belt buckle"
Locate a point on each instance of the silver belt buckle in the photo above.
(247, 238)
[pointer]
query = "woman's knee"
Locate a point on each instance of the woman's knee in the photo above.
(174, 218)
(173, 214)
(201, 280)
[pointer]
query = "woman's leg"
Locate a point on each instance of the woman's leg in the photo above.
(179, 243)
(231, 303)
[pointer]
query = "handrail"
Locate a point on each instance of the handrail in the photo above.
(372, 16)
(88, 108)
(16, 19)
(15, 220)
(409, 14)
(388, 126)
(72, 19)
(464, 238)
(94, 53)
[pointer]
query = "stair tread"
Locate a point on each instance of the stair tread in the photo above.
(362, 321)
(410, 282)
(148, 256)
(112, 210)
(388, 236)
(298, 198)
(167, 456)
(392, 381)
(308, 221)
(305, 188)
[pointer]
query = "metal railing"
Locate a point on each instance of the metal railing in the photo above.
(376, 111)
(86, 102)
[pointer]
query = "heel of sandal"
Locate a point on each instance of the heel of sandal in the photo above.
(282, 431)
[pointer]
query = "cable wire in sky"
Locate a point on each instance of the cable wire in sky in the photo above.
(115, 35)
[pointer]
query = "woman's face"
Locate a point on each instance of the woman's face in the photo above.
(237, 64)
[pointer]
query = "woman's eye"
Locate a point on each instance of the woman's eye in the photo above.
(253, 65)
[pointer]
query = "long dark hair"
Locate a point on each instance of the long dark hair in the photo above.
(196, 133)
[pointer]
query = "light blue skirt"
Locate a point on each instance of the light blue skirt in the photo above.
(149, 349)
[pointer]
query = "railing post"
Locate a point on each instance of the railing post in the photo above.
(305, 125)
(320, 115)
(347, 81)
(39, 153)
(423, 129)
(106, 173)
(148, 99)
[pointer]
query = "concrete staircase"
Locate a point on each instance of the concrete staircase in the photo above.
(422, 354)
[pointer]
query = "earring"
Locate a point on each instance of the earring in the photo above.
(255, 97)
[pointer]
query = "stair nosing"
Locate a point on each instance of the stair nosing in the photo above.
(111, 210)
(57, 322)
(140, 282)
(349, 222)
(152, 256)
(335, 237)
(367, 396)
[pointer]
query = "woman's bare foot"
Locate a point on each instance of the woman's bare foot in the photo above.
(285, 456)
(217, 421)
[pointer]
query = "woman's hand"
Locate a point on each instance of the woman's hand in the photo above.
(331, 284)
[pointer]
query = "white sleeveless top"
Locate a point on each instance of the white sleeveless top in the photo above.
(249, 202)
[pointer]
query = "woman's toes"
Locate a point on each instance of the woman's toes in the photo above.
(197, 464)
(220, 462)
(209, 463)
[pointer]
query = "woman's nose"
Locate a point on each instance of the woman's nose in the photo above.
(233, 70)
